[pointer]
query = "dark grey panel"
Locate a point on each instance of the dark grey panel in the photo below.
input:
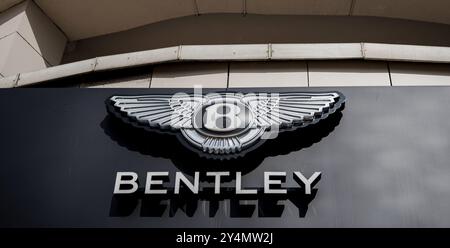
(384, 160)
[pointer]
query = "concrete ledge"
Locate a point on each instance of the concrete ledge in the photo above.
(9, 82)
(225, 52)
(317, 51)
(127, 60)
(408, 53)
(257, 52)
(57, 72)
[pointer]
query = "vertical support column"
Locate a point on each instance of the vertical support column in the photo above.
(29, 40)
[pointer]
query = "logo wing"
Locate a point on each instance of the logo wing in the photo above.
(159, 111)
(288, 110)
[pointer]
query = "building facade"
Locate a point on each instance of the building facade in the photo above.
(341, 73)
(220, 44)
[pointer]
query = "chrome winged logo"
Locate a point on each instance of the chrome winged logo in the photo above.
(225, 123)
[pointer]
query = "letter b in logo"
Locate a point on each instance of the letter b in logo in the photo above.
(224, 117)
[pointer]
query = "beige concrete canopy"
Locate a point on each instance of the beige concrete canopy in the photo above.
(235, 53)
(90, 18)
(6, 4)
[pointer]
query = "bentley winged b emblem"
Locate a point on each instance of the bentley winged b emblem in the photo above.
(222, 124)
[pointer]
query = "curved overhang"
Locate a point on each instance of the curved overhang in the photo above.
(220, 29)
(91, 18)
(6, 4)
(214, 53)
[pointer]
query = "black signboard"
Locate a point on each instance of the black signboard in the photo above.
(384, 162)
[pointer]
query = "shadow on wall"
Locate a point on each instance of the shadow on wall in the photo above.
(260, 29)
(158, 205)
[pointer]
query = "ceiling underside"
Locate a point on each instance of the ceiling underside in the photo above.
(82, 19)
